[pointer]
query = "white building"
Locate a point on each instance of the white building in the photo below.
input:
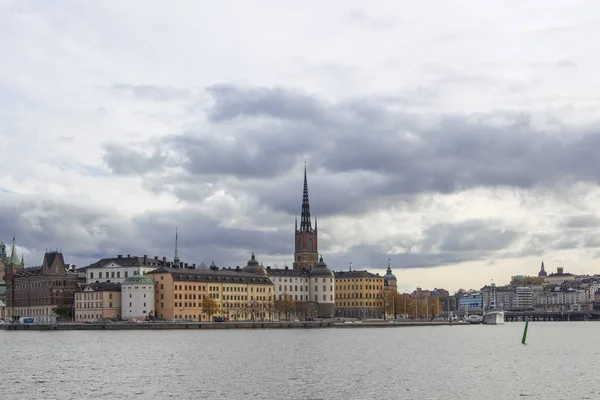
(137, 297)
(119, 268)
(316, 286)
(524, 297)
(290, 282)
(2, 310)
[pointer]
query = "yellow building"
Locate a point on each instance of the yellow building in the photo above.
(98, 301)
(358, 294)
(240, 296)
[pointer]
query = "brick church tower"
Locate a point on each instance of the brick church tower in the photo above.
(306, 253)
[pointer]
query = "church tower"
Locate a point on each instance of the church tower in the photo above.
(306, 253)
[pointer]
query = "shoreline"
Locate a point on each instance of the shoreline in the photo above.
(220, 325)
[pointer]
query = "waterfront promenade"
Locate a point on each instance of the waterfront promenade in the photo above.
(223, 325)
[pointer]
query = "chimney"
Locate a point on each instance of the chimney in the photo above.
(237, 268)
(128, 255)
(156, 258)
(194, 265)
(286, 267)
(164, 261)
(560, 270)
(120, 256)
(145, 259)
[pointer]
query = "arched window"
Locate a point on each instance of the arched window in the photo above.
(299, 244)
(310, 245)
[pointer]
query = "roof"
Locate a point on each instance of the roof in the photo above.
(254, 267)
(356, 274)
(130, 261)
(137, 279)
(104, 287)
(286, 272)
(320, 269)
(208, 275)
(37, 271)
(2, 304)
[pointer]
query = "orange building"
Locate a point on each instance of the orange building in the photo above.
(239, 295)
(98, 301)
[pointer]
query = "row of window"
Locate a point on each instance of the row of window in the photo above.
(357, 295)
(236, 288)
(112, 274)
(359, 287)
(357, 304)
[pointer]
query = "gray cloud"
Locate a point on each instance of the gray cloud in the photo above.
(151, 92)
(259, 133)
(86, 235)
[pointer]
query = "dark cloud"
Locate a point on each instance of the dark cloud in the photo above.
(581, 221)
(126, 161)
(375, 150)
(151, 92)
(85, 234)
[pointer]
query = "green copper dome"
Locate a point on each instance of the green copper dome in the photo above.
(254, 267)
(388, 274)
(137, 280)
(321, 269)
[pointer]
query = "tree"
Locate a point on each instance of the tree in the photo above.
(302, 309)
(385, 303)
(285, 305)
(209, 306)
(62, 311)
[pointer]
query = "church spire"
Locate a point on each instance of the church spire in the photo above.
(305, 223)
(176, 258)
(14, 258)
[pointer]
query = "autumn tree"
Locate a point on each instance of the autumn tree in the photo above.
(209, 306)
(302, 309)
(285, 305)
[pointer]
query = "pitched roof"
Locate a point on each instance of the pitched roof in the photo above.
(208, 275)
(356, 274)
(286, 272)
(104, 287)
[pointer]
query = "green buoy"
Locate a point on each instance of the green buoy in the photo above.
(525, 332)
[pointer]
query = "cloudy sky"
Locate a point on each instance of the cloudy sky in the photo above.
(458, 139)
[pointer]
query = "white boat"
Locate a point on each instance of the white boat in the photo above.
(493, 316)
(474, 319)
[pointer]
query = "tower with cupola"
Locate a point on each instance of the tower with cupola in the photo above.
(306, 247)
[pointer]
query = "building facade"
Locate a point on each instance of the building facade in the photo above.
(41, 293)
(306, 249)
(358, 294)
(98, 302)
(239, 295)
(312, 292)
(137, 298)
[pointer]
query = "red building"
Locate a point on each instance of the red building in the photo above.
(39, 292)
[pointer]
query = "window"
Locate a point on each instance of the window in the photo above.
(126, 274)
(110, 296)
(129, 304)
(110, 305)
(144, 295)
(100, 275)
(324, 297)
(118, 274)
(91, 275)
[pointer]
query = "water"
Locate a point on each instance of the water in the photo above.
(468, 362)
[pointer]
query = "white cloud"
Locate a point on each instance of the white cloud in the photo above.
(82, 78)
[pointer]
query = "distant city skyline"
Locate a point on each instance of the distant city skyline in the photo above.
(461, 146)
